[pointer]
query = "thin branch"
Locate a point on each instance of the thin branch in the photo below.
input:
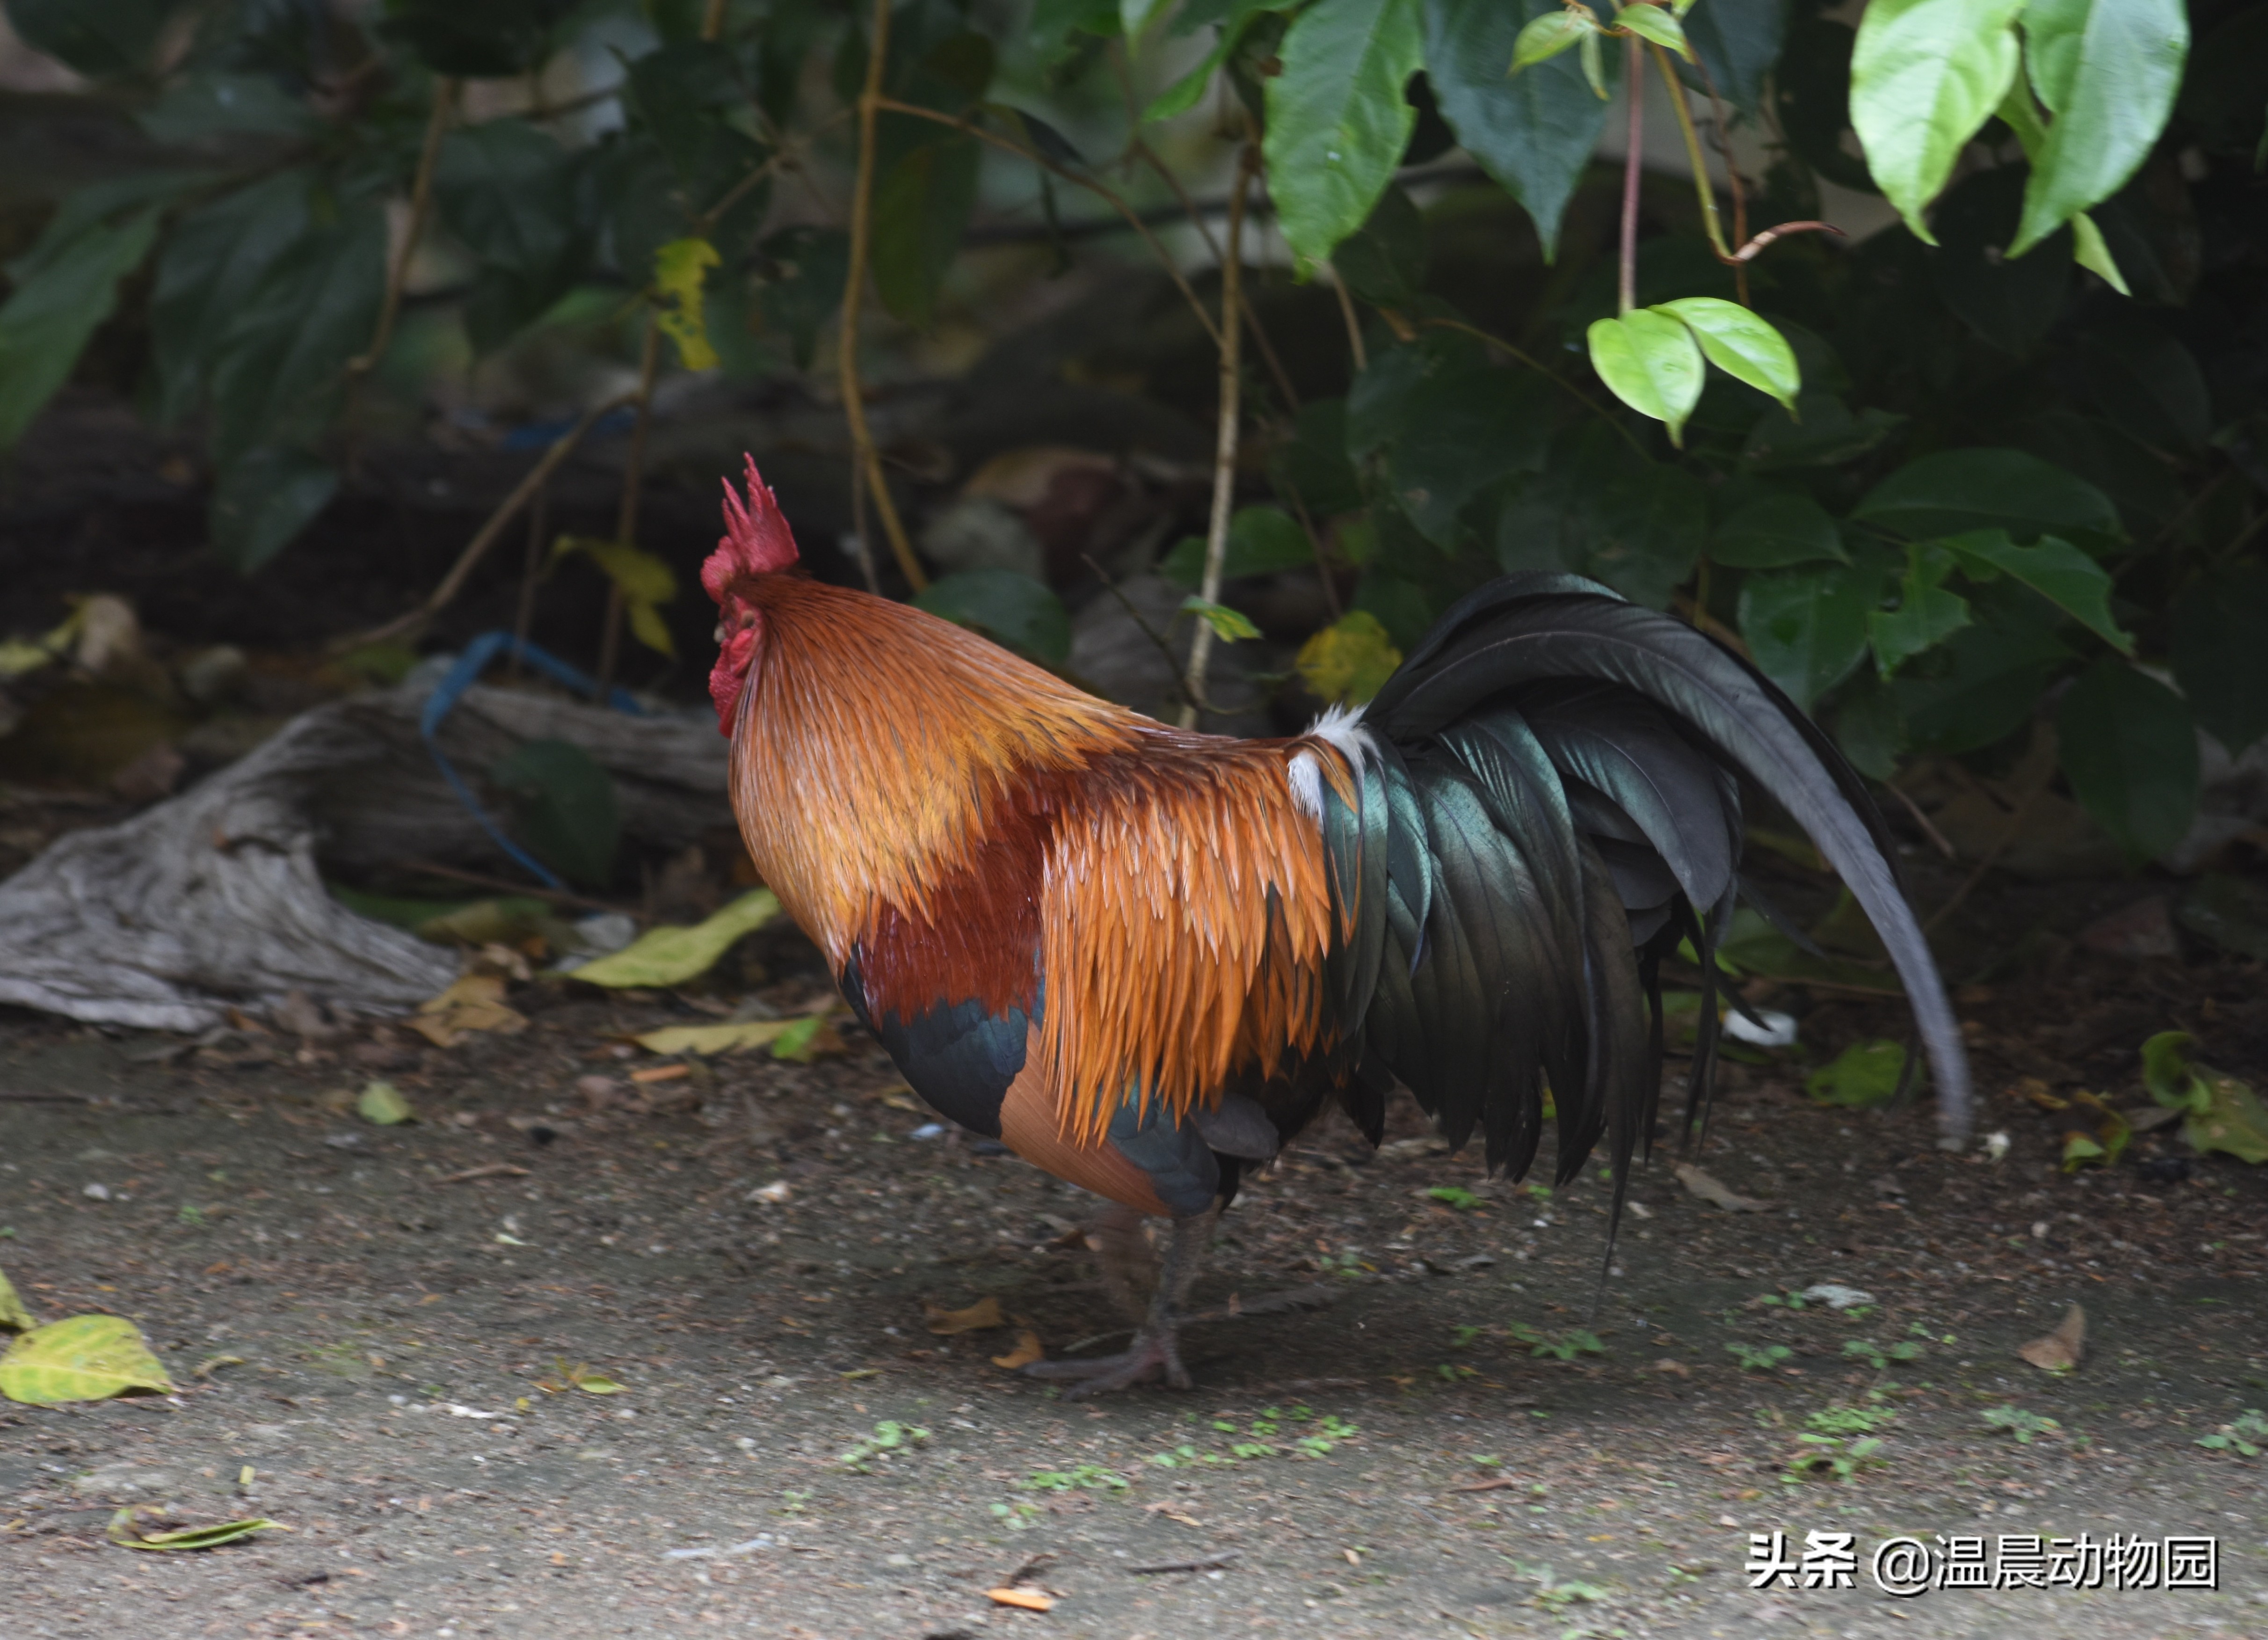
(1634, 88)
(1702, 187)
(626, 516)
(1156, 637)
(1929, 829)
(1720, 132)
(530, 572)
(1126, 211)
(485, 537)
(1224, 466)
(1353, 325)
(854, 285)
(2008, 835)
(421, 205)
(1756, 246)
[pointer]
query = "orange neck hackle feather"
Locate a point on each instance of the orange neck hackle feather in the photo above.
(966, 824)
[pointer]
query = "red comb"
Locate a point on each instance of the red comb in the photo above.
(756, 540)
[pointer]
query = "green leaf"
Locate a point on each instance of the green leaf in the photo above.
(1461, 433)
(1863, 1075)
(1532, 133)
(2011, 304)
(262, 499)
(1925, 76)
(1229, 625)
(1650, 363)
(646, 581)
(1651, 22)
(1776, 530)
(382, 1105)
(56, 304)
(1738, 41)
(202, 106)
(1262, 541)
(1183, 94)
(13, 1317)
(2224, 1114)
(96, 37)
(506, 189)
(2108, 70)
(211, 261)
(85, 1358)
(1981, 684)
(489, 39)
(1828, 434)
(1603, 510)
(1807, 628)
(1015, 609)
(804, 269)
(2220, 652)
(2058, 571)
(281, 362)
(921, 211)
(1738, 342)
(670, 956)
(1384, 260)
(2148, 382)
(1545, 37)
(1311, 466)
(1337, 121)
(1349, 660)
(127, 1535)
(1926, 615)
(2092, 252)
(2173, 1082)
(2128, 749)
(565, 811)
(1983, 488)
(680, 270)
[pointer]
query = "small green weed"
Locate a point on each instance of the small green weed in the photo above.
(1564, 1345)
(1078, 1478)
(1019, 1515)
(1454, 1196)
(1790, 1301)
(1850, 1419)
(2246, 1437)
(1827, 1454)
(1463, 1337)
(2021, 1424)
(1754, 1360)
(1555, 1596)
(1879, 1357)
(889, 1436)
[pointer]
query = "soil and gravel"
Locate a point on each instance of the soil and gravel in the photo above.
(377, 1333)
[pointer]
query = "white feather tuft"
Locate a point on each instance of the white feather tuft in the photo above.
(1342, 728)
(1306, 775)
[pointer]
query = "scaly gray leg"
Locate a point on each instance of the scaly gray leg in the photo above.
(1157, 1347)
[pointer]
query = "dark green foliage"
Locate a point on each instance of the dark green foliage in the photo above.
(564, 810)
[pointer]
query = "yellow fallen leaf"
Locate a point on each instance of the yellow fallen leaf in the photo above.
(1023, 1599)
(2059, 1351)
(979, 1316)
(13, 1315)
(729, 1037)
(1699, 1183)
(1026, 1351)
(669, 955)
(84, 1358)
(474, 1003)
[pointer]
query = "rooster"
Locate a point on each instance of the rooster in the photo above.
(1145, 958)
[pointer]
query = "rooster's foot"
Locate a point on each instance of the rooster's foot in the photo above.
(1153, 1356)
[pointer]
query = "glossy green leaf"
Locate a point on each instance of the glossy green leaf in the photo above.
(1986, 487)
(2108, 71)
(211, 261)
(1545, 37)
(921, 211)
(1337, 121)
(2092, 252)
(58, 300)
(262, 499)
(506, 189)
(1651, 22)
(564, 808)
(1739, 343)
(669, 954)
(1461, 432)
(1828, 434)
(2220, 652)
(2128, 749)
(1807, 628)
(282, 360)
(1229, 625)
(2055, 569)
(1650, 363)
(1014, 609)
(1925, 76)
(1262, 541)
(1534, 132)
(84, 1358)
(97, 37)
(1774, 531)
(1926, 615)
(1983, 683)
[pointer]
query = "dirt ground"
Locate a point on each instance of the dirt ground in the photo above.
(379, 1327)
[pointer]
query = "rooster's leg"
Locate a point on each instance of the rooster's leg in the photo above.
(1157, 1347)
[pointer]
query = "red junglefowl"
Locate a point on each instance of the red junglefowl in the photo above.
(1145, 958)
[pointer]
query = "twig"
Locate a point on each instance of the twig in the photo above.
(492, 1170)
(1702, 187)
(1315, 546)
(1214, 1561)
(2000, 847)
(626, 515)
(1929, 829)
(522, 891)
(1223, 467)
(530, 572)
(1634, 88)
(485, 537)
(1500, 1484)
(1755, 248)
(854, 284)
(1353, 325)
(421, 202)
(1173, 662)
(1132, 218)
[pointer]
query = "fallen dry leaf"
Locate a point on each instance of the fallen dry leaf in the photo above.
(661, 1073)
(1699, 1183)
(979, 1316)
(2059, 1351)
(1023, 1599)
(475, 1003)
(1026, 1351)
(1678, 1367)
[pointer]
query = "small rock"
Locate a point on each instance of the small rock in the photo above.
(96, 1192)
(1835, 1295)
(775, 1191)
